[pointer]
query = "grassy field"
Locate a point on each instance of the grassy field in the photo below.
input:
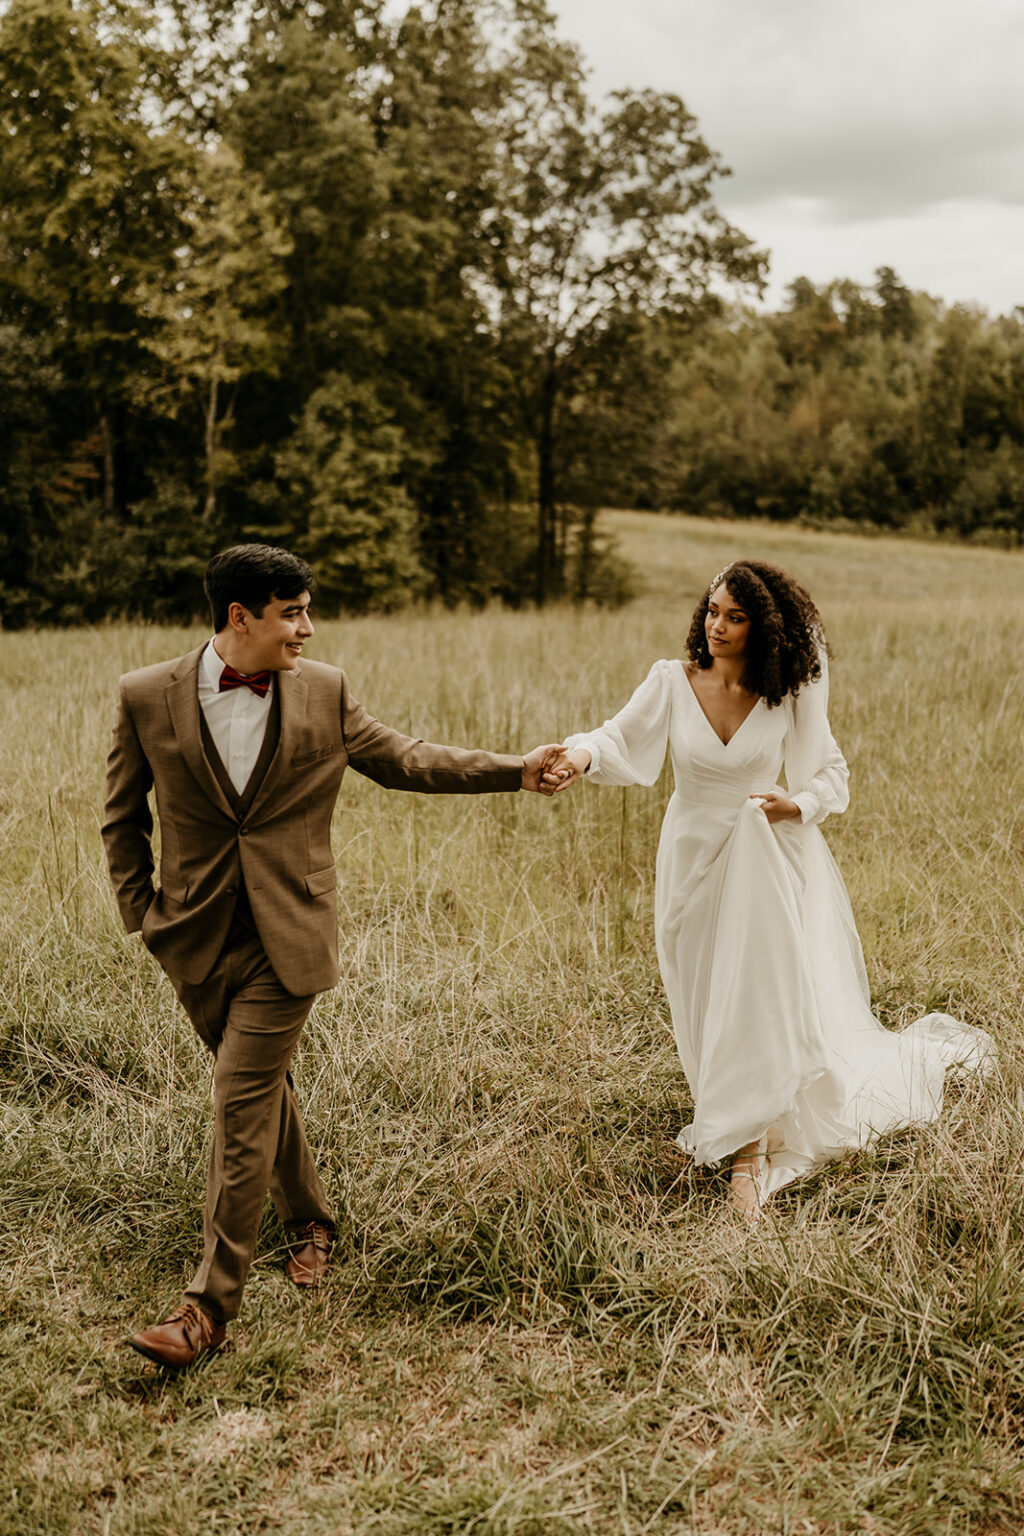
(530, 1329)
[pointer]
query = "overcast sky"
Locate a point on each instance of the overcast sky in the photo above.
(860, 133)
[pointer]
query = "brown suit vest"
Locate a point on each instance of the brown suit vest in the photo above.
(240, 803)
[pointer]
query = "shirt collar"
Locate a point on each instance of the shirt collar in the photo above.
(212, 666)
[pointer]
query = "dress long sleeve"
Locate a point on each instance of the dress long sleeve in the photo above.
(630, 748)
(816, 770)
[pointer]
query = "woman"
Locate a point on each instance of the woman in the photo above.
(756, 940)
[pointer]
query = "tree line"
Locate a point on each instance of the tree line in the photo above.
(867, 405)
(388, 287)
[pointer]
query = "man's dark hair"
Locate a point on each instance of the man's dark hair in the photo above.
(786, 635)
(254, 575)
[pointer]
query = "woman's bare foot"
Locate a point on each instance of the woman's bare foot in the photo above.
(745, 1182)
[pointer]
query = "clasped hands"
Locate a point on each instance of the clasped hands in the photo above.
(551, 768)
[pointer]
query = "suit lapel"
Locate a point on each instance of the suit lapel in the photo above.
(182, 696)
(293, 693)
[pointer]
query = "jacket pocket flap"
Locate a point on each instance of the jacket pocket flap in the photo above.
(302, 759)
(321, 881)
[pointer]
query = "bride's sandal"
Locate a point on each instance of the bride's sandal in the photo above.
(744, 1196)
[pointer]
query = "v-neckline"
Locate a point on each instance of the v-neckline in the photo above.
(725, 745)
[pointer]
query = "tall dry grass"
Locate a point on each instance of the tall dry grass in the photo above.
(531, 1328)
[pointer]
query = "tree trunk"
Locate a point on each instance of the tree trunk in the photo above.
(586, 554)
(564, 518)
(547, 562)
(109, 485)
(210, 505)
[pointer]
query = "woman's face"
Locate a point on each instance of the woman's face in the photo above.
(727, 627)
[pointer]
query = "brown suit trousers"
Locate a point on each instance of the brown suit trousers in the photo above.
(245, 917)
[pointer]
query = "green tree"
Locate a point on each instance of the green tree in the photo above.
(213, 304)
(86, 186)
(30, 388)
(438, 368)
(347, 509)
(303, 126)
(596, 217)
(380, 158)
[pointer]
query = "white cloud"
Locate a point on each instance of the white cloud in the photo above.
(847, 123)
(964, 252)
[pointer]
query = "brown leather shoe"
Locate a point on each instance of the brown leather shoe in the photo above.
(181, 1338)
(311, 1252)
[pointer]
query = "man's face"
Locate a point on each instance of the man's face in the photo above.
(273, 640)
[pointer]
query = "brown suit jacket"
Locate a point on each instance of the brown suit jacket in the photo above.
(280, 846)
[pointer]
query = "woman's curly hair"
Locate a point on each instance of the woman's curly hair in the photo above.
(786, 633)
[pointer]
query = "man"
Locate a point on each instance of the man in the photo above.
(245, 745)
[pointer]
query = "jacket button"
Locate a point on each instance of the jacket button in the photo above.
(230, 889)
(243, 831)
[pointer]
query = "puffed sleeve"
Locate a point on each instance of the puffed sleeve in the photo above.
(816, 771)
(630, 748)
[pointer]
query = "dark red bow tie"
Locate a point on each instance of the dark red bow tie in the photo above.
(259, 682)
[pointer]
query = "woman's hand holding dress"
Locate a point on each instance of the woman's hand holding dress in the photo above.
(778, 807)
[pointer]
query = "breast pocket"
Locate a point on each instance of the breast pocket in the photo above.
(314, 755)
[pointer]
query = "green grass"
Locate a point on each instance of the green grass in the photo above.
(530, 1330)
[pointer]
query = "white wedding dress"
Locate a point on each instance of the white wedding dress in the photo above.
(756, 941)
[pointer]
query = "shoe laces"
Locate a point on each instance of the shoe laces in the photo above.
(192, 1319)
(316, 1233)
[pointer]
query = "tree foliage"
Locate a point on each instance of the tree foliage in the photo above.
(866, 405)
(383, 282)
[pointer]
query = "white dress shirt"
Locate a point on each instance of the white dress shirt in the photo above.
(237, 718)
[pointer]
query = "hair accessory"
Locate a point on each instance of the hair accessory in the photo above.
(723, 572)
